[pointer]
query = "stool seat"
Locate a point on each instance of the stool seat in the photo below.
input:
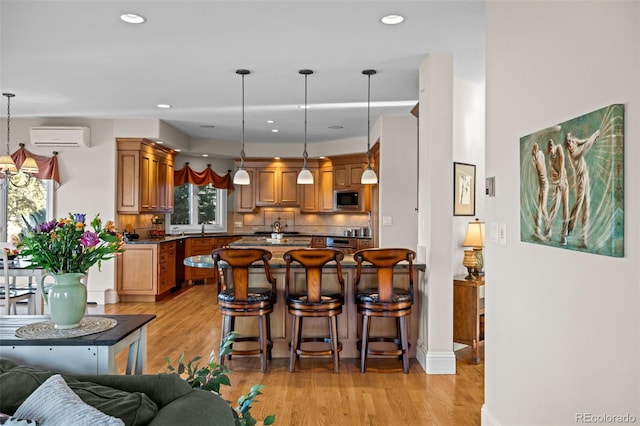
(254, 295)
(237, 299)
(384, 301)
(371, 295)
(313, 301)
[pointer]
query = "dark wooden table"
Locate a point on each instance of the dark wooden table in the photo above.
(90, 354)
(468, 314)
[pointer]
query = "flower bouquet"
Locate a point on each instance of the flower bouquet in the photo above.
(11, 253)
(66, 249)
(68, 246)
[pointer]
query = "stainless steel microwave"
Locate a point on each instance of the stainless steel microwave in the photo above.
(347, 200)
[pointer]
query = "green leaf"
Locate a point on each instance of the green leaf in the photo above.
(269, 420)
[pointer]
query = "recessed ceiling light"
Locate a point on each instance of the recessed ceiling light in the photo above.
(177, 149)
(274, 130)
(132, 18)
(205, 155)
(304, 107)
(276, 158)
(270, 121)
(163, 106)
(207, 126)
(336, 127)
(392, 19)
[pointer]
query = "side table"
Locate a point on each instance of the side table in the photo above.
(91, 354)
(468, 313)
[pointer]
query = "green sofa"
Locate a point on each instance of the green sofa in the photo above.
(154, 400)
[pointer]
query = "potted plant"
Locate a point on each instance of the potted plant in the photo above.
(66, 249)
(212, 375)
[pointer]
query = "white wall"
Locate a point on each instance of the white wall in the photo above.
(398, 181)
(88, 183)
(563, 327)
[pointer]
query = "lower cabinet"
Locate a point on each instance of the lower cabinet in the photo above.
(201, 247)
(146, 272)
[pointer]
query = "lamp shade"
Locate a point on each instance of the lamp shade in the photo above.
(475, 235)
(7, 164)
(369, 177)
(30, 166)
(241, 177)
(305, 177)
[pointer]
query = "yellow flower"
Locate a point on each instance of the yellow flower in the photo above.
(110, 226)
(79, 225)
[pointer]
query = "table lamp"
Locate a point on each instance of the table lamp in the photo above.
(475, 239)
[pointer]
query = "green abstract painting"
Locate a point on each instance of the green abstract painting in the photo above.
(572, 184)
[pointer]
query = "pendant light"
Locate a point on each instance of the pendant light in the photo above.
(242, 176)
(369, 176)
(305, 177)
(7, 165)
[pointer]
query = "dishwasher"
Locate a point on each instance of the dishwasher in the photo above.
(180, 262)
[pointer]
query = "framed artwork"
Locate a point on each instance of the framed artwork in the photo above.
(464, 189)
(572, 184)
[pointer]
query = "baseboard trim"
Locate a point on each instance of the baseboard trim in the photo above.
(440, 363)
(421, 355)
(486, 418)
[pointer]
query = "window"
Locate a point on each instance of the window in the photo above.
(32, 203)
(194, 206)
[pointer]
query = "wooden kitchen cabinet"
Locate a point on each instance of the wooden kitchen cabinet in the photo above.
(246, 194)
(318, 198)
(144, 177)
(146, 272)
(347, 176)
(277, 186)
(203, 246)
(468, 313)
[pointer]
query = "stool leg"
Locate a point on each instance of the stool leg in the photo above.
(262, 322)
(223, 333)
(230, 328)
(269, 341)
(295, 343)
(299, 344)
(333, 323)
(405, 345)
(366, 325)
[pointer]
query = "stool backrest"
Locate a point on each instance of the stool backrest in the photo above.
(313, 260)
(240, 259)
(385, 259)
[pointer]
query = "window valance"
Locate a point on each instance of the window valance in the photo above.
(48, 165)
(205, 177)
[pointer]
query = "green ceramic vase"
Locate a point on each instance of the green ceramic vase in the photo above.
(67, 299)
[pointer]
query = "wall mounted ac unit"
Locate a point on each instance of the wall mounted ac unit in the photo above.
(63, 136)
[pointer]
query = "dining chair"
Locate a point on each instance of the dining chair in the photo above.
(241, 298)
(9, 297)
(384, 300)
(313, 300)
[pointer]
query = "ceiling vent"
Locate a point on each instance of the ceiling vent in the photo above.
(62, 136)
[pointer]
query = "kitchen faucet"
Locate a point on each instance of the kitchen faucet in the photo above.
(203, 229)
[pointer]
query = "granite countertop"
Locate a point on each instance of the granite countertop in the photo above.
(205, 261)
(168, 238)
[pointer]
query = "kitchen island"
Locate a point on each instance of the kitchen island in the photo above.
(349, 322)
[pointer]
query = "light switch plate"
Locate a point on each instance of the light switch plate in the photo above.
(387, 220)
(502, 234)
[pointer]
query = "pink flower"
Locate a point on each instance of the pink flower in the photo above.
(89, 239)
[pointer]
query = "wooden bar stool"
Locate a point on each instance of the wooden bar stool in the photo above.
(314, 301)
(242, 300)
(384, 300)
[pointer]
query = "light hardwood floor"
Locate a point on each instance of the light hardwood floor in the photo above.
(189, 322)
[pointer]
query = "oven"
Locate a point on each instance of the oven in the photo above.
(345, 245)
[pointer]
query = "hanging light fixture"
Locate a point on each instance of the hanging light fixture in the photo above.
(369, 176)
(242, 176)
(7, 165)
(305, 177)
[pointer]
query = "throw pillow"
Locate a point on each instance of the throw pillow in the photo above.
(7, 420)
(55, 404)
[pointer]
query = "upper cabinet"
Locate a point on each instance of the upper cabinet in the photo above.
(347, 171)
(277, 186)
(145, 177)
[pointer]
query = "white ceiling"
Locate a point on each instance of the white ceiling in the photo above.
(78, 59)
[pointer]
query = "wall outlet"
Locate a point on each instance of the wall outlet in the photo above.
(237, 224)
